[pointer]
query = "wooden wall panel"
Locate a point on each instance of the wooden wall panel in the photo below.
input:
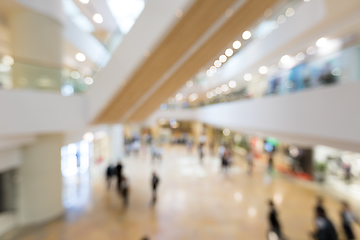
(190, 28)
(243, 18)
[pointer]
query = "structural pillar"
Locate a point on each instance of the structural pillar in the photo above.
(40, 181)
(116, 143)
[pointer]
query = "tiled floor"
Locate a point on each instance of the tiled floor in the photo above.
(195, 201)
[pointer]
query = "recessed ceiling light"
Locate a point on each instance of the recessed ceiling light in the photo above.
(263, 70)
(190, 83)
(321, 42)
(217, 63)
(222, 58)
(247, 77)
(236, 44)
(246, 35)
(229, 52)
(178, 13)
(80, 57)
(84, 1)
(232, 84)
(290, 12)
(88, 80)
(98, 18)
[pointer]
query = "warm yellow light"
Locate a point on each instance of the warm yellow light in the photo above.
(217, 63)
(222, 58)
(229, 52)
(246, 35)
(236, 44)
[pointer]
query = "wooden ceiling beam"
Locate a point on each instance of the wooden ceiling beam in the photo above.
(239, 22)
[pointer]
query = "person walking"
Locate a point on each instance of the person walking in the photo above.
(201, 151)
(124, 190)
(119, 168)
(347, 218)
(109, 175)
(273, 221)
(154, 183)
(249, 160)
(325, 229)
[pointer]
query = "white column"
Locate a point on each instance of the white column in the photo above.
(40, 181)
(116, 143)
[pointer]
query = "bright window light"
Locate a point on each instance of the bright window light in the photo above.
(77, 17)
(126, 12)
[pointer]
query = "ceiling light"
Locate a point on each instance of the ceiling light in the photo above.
(247, 77)
(229, 12)
(290, 12)
(229, 52)
(232, 84)
(179, 97)
(224, 88)
(268, 12)
(263, 70)
(222, 58)
(98, 18)
(75, 75)
(274, 25)
(209, 73)
(226, 132)
(311, 50)
(209, 95)
(89, 137)
(246, 35)
(213, 69)
(300, 56)
(190, 83)
(213, 92)
(321, 42)
(285, 59)
(217, 63)
(178, 13)
(306, 0)
(193, 97)
(336, 72)
(281, 19)
(236, 44)
(8, 60)
(218, 90)
(84, 1)
(88, 80)
(80, 57)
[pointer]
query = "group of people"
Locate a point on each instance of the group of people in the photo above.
(123, 183)
(325, 229)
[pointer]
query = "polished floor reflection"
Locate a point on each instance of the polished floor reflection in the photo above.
(195, 201)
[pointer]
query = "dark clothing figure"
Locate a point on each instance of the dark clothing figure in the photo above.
(201, 151)
(271, 163)
(273, 220)
(123, 188)
(154, 183)
(119, 173)
(109, 175)
(347, 218)
(325, 229)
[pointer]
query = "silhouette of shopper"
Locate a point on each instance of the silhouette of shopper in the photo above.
(154, 183)
(273, 220)
(347, 218)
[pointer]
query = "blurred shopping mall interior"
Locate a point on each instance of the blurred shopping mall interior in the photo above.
(179, 119)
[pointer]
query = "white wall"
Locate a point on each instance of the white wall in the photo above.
(328, 116)
(28, 112)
